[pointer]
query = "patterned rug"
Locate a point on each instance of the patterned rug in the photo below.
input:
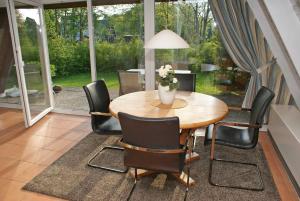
(70, 178)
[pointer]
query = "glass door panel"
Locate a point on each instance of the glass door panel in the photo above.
(9, 87)
(118, 39)
(33, 74)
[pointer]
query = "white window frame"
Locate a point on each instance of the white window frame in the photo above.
(91, 40)
(149, 25)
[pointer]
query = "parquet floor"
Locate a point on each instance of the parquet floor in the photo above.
(24, 153)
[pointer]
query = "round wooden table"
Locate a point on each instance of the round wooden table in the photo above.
(201, 110)
(194, 110)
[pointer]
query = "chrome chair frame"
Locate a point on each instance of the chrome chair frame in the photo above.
(212, 158)
(90, 162)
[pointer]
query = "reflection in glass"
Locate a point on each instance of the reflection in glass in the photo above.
(9, 91)
(29, 30)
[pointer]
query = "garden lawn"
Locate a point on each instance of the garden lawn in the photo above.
(82, 79)
(205, 81)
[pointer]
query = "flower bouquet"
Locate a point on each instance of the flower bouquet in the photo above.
(168, 84)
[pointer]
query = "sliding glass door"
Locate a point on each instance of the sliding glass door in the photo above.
(31, 56)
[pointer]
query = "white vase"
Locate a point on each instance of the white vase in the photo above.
(166, 96)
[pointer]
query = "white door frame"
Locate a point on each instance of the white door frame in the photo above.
(29, 121)
(91, 40)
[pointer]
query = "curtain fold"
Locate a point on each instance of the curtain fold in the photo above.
(244, 42)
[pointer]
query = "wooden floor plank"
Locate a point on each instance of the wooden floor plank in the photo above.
(280, 176)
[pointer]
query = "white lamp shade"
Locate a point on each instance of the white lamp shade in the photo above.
(166, 39)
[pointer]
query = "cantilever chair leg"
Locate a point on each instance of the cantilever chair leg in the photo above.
(90, 162)
(261, 188)
(191, 148)
(188, 184)
(133, 187)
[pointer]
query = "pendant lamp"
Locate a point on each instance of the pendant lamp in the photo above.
(166, 39)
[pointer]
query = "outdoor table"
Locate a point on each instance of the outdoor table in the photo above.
(194, 110)
(142, 71)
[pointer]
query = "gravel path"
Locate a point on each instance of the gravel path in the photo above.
(73, 99)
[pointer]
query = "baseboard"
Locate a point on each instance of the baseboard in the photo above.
(10, 105)
(291, 177)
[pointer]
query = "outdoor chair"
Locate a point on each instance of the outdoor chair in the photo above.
(103, 123)
(153, 144)
(227, 134)
(187, 81)
(129, 82)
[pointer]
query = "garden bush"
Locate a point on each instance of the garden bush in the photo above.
(73, 57)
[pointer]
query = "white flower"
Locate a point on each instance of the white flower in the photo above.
(175, 80)
(162, 72)
(229, 68)
(169, 67)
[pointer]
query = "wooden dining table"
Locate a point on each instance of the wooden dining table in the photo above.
(194, 110)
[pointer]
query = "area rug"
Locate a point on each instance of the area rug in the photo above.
(70, 178)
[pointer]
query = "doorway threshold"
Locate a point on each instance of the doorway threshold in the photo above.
(71, 112)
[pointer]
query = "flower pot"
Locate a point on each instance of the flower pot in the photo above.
(57, 88)
(166, 96)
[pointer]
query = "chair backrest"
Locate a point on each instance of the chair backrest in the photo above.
(152, 133)
(98, 96)
(259, 107)
(187, 82)
(129, 82)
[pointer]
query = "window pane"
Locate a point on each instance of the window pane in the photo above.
(119, 49)
(217, 74)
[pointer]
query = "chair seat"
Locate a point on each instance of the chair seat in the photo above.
(230, 136)
(108, 125)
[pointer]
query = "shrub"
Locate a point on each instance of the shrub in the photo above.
(118, 56)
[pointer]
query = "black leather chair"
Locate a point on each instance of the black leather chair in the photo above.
(223, 133)
(187, 82)
(152, 144)
(101, 119)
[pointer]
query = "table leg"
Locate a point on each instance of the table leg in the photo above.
(141, 172)
(194, 157)
(185, 133)
(182, 178)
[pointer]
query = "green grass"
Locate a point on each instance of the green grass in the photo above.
(205, 81)
(205, 84)
(82, 79)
